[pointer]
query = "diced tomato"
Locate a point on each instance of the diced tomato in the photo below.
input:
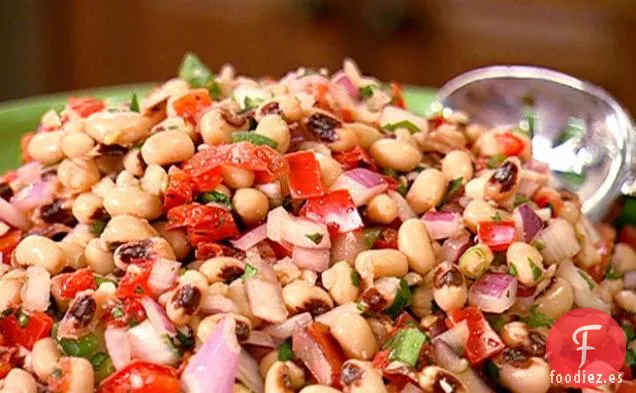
(320, 92)
(627, 235)
(436, 121)
(483, 342)
(180, 189)
(387, 239)
(205, 224)
(38, 325)
(281, 250)
(511, 145)
(85, 106)
(24, 146)
(304, 175)
(192, 104)
(135, 282)
(335, 209)
(397, 98)
(497, 234)
(130, 311)
(8, 242)
(548, 197)
(78, 281)
(355, 158)
(346, 114)
(142, 377)
(7, 360)
(211, 250)
(381, 359)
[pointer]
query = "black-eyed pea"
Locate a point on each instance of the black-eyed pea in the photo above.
(35, 250)
(479, 211)
(518, 335)
(208, 325)
(476, 260)
(74, 255)
(287, 271)
(457, 164)
(9, 292)
(449, 287)
(177, 238)
(134, 163)
(184, 303)
(267, 361)
(365, 134)
(503, 183)
(309, 276)
(167, 147)
(46, 147)
(359, 376)
(175, 123)
(422, 301)
(109, 164)
(44, 357)
(98, 258)
(251, 205)
(126, 228)
(415, 243)
(19, 381)
(316, 147)
(475, 188)
(342, 282)
(347, 140)
(125, 179)
(394, 154)
(433, 379)
(155, 180)
(82, 375)
(529, 376)
(319, 389)
(557, 299)
(237, 178)
(87, 207)
(624, 258)
(426, 191)
(354, 335)
(525, 263)
(382, 209)
(238, 388)
(103, 186)
(133, 201)
(121, 128)
(300, 296)
(214, 128)
(626, 299)
(197, 279)
(284, 377)
(290, 106)
(275, 128)
(330, 169)
(237, 293)
(373, 264)
(78, 174)
(404, 135)
(81, 234)
(151, 248)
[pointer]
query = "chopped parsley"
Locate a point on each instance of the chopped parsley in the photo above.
(355, 278)
(628, 329)
(185, 339)
(250, 271)
(196, 73)
(613, 274)
(495, 161)
(134, 103)
(367, 91)
(402, 300)
(117, 313)
(23, 319)
(513, 270)
(520, 199)
(406, 345)
(630, 357)
(252, 103)
(453, 187)
(587, 279)
(254, 139)
(536, 270)
(402, 124)
(538, 319)
(97, 227)
(497, 217)
(371, 235)
(285, 351)
(216, 197)
(315, 237)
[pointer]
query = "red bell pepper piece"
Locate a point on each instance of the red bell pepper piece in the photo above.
(497, 234)
(85, 106)
(135, 282)
(548, 197)
(355, 158)
(38, 325)
(8, 242)
(335, 209)
(320, 352)
(78, 281)
(483, 342)
(204, 224)
(24, 146)
(397, 98)
(511, 145)
(192, 104)
(142, 377)
(304, 175)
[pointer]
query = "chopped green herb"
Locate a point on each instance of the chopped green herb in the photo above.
(492, 369)
(316, 237)
(98, 359)
(215, 197)
(99, 280)
(134, 103)
(23, 319)
(285, 351)
(628, 329)
(406, 345)
(613, 274)
(196, 73)
(355, 278)
(402, 300)
(367, 91)
(97, 227)
(496, 160)
(537, 319)
(252, 103)
(250, 271)
(186, 340)
(497, 217)
(117, 313)
(520, 199)
(254, 139)
(453, 187)
(512, 269)
(362, 307)
(496, 321)
(539, 245)
(630, 357)
(402, 124)
(371, 235)
(587, 279)
(536, 270)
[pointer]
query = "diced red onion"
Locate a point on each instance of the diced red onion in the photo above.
(559, 241)
(527, 187)
(36, 289)
(251, 238)
(362, 184)
(583, 295)
(284, 330)
(448, 359)
(266, 299)
(314, 259)
(343, 80)
(248, 373)
(404, 209)
(493, 292)
(275, 220)
(528, 223)
(157, 317)
(302, 232)
(215, 303)
(34, 195)
(12, 215)
(163, 275)
(265, 269)
(410, 388)
(331, 315)
(346, 246)
(30, 173)
(442, 225)
(455, 246)
(260, 339)
(455, 337)
(589, 229)
(629, 280)
(308, 351)
(118, 346)
(150, 346)
(273, 191)
(214, 367)
(341, 96)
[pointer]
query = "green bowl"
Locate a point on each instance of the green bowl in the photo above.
(20, 116)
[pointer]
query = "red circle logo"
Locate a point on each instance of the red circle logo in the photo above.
(585, 348)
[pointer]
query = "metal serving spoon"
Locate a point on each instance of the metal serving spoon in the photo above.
(579, 130)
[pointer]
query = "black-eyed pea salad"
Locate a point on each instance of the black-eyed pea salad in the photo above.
(310, 234)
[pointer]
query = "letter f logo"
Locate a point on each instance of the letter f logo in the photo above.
(584, 347)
